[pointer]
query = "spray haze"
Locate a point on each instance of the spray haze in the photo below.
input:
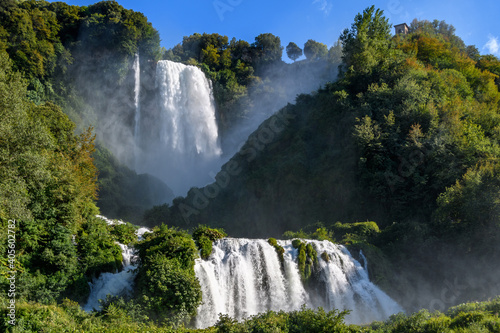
(171, 130)
(280, 85)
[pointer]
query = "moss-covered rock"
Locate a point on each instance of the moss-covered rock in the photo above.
(279, 249)
(296, 243)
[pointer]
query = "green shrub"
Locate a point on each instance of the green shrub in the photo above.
(204, 237)
(167, 290)
(170, 242)
(296, 234)
(465, 319)
(166, 285)
(307, 320)
(437, 324)
(356, 232)
(205, 246)
(97, 248)
(323, 234)
(124, 233)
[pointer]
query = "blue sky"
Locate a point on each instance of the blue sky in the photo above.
(477, 23)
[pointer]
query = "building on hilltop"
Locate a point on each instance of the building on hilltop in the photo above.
(401, 29)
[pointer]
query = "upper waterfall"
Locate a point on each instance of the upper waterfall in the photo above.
(188, 123)
(179, 139)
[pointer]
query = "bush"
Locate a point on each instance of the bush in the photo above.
(204, 237)
(97, 249)
(166, 285)
(356, 232)
(124, 233)
(465, 319)
(296, 243)
(167, 290)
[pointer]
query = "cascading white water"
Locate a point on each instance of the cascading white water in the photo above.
(113, 283)
(180, 140)
(244, 277)
(187, 110)
(137, 93)
(119, 283)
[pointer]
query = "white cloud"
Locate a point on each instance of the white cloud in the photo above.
(493, 45)
(323, 5)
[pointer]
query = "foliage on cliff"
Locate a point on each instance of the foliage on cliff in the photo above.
(48, 186)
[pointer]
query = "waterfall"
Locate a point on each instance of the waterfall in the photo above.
(187, 110)
(179, 137)
(244, 277)
(137, 93)
(114, 284)
(118, 283)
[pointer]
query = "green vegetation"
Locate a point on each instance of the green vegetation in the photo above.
(48, 186)
(409, 136)
(307, 259)
(166, 286)
(293, 51)
(204, 238)
(280, 251)
(470, 317)
(124, 233)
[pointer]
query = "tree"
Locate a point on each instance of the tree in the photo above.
(268, 48)
(471, 208)
(335, 53)
(366, 43)
(293, 51)
(210, 56)
(314, 50)
(241, 50)
(445, 31)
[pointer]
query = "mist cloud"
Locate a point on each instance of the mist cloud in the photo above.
(493, 45)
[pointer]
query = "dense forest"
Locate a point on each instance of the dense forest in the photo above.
(403, 149)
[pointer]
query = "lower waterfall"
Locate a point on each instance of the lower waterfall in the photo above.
(244, 277)
(113, 283)
(119, 283)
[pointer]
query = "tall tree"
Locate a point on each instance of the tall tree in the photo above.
(293, 51)
(366, 43)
